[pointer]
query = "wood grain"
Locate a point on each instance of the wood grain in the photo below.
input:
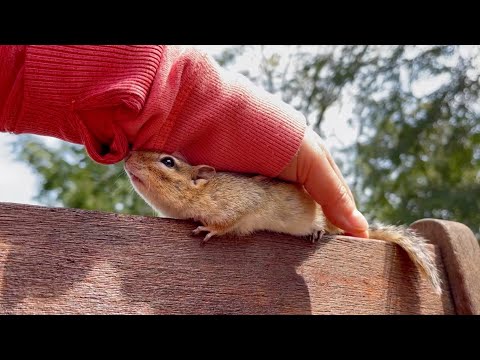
(84, 262)
(461, 255)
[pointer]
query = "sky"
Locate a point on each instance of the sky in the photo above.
(17, 181)
(19, 184)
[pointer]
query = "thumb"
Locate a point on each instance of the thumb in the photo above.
(321, 178)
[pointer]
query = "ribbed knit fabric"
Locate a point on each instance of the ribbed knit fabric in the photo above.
(148, 97)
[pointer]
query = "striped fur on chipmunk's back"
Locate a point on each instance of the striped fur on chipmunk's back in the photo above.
(231, 203)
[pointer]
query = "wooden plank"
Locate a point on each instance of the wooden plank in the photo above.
(73, 261)
(461, 255)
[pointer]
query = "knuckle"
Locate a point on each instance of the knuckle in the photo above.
(343, 196)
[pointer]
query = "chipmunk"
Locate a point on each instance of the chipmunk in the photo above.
(231, 203)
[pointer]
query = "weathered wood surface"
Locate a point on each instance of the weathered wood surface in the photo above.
(73, 261)
(461, 257)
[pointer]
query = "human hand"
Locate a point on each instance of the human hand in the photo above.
(314, 168)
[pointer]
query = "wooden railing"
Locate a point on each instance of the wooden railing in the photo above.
(67, 261)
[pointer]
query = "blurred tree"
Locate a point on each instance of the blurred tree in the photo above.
(418, 154)
(417, 117)
(68, 177)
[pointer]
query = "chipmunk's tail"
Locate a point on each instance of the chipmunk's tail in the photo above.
(414, 245)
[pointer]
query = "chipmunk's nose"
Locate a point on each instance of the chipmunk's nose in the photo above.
(128, 156)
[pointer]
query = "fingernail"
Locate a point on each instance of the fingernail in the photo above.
(357, 221)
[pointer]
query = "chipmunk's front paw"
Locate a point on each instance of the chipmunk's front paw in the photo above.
(317, 235)
(207, 237)
(200, 229)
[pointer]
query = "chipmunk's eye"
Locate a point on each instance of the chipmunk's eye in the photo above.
(168, 162)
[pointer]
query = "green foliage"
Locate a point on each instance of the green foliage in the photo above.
(416, 155)
(419, 156)
(68, 177)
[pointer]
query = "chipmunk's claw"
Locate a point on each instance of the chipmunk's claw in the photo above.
(317, 235)
(200, 229)
(207, 237)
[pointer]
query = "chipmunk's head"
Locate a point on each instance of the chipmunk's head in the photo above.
(164, 181)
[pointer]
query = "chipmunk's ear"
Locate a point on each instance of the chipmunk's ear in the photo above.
(203, 173)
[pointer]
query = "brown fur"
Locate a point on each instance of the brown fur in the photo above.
(241, 204)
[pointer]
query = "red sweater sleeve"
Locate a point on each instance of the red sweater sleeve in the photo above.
(159, 98)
